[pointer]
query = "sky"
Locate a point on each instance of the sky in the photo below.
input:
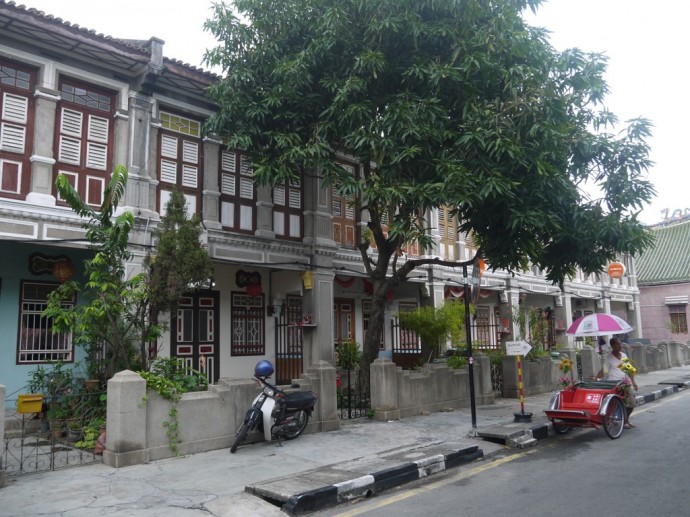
(646, 41)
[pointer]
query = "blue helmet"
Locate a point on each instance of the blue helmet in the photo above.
(263, 369)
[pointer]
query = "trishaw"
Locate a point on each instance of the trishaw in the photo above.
(589, 404)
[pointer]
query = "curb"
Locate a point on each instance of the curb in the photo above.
(366, 486)
(655, 395)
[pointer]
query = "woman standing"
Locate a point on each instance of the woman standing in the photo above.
(614, 360)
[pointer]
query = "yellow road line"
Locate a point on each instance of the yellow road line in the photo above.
(380, 502)
(385, 501)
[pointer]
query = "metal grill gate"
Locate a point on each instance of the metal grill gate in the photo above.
(289, 341)
(45, 441)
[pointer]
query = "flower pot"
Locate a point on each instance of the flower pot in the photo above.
(91, 384)
(74, 435)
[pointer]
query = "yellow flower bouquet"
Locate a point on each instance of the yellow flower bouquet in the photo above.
(566, 366)
(627, 366)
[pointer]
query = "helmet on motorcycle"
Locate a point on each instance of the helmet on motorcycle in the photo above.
(263, 369)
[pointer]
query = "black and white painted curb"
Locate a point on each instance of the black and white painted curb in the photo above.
(366, 486)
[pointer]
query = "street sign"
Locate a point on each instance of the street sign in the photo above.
(517, 347)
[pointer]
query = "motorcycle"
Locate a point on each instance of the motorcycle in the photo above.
(279, 415)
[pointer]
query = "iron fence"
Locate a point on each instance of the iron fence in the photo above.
(354, 399)
(60, 432)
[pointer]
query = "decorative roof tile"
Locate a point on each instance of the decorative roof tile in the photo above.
(668, 261)
(138, 46)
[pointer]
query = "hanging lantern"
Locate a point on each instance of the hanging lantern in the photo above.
(308, 280)
(63, 270)
(254, 289)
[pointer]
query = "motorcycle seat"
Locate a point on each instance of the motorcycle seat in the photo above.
(300, 399)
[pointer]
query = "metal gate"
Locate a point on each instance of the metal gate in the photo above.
(354, 397)
(289, 341)
(65, 431)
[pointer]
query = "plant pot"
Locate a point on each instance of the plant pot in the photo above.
(74, 435)
(91, 384)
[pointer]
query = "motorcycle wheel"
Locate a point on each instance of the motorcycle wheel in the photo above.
(241, 435)
(302, 418)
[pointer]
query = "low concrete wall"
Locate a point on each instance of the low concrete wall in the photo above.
(207, 420)
(398, 393)
(538, 376)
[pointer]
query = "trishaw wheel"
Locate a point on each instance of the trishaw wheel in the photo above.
(614, 418)
(560, 427)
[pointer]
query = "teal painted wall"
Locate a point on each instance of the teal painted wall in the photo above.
(14, 268)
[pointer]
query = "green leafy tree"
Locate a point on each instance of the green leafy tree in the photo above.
(179, 263)
(443, 102)
(436, 326)
(118, 315)
(109, 319)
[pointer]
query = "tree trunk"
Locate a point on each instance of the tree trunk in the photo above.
(372, 339)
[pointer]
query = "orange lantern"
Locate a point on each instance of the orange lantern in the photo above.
(63, 270)
(616, 270)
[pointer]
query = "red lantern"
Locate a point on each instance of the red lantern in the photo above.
(254, 289)
(63, 270)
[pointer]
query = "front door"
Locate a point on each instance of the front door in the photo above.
(194, 333)
(289, 341)
(344, 320)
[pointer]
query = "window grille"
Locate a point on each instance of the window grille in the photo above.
(247, 325)
(37, 342)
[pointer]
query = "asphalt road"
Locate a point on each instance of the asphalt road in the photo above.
(643, 473)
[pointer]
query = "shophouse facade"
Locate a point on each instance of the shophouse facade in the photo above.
(664, 282)
(288, 279)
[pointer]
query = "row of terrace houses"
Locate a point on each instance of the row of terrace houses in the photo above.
(288, 280)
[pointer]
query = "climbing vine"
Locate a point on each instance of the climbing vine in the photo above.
(170, 380)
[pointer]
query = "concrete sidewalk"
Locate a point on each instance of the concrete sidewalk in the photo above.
(317, 470)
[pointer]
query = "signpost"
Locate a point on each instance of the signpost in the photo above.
(520, 348)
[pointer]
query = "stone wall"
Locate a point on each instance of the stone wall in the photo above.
(135, 426)
(398, 393)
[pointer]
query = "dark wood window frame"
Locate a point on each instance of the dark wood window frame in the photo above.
(180, 154)
(17, 112)
(237, 192)
(83, 145)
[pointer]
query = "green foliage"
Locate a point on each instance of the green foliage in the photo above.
(52, 381)
(169, 378)
(112, 318)
(436, 326)
(453, 102)
(456, 361)
(119, 316)
(349, 355)
(180, 261)
(171, 368)
(91, 433)
(534, 327)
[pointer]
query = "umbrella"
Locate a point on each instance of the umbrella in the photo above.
(598, 324)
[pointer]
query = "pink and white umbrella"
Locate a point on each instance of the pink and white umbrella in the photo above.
(598, 324)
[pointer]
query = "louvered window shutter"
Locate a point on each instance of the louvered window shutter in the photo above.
(13, 127)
